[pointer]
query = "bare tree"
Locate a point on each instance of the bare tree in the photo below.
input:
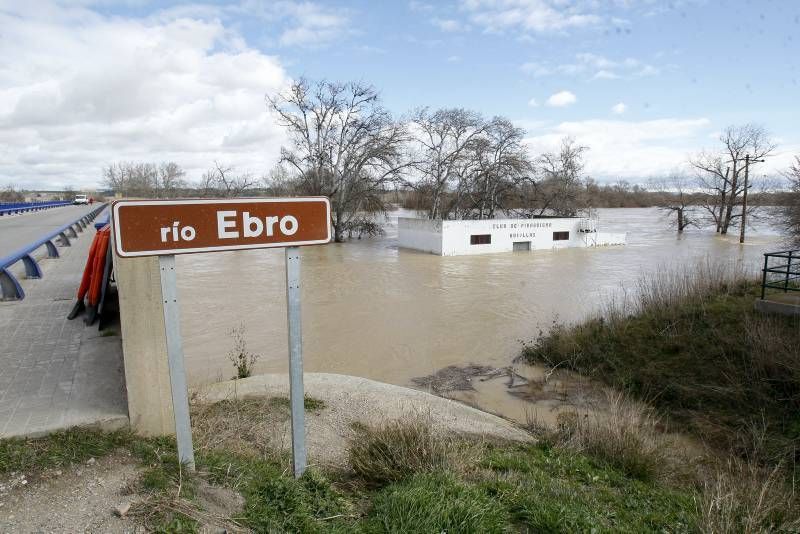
(146, 180)
(558, 191)
(279, 182)
(344, 145)
(443, 144)
(11, 194)
(791, 211)
(221, 180)
(170, 180)
(676, 199)
(721, 175)
(501, 165)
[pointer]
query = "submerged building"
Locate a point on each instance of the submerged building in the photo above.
(486, 236)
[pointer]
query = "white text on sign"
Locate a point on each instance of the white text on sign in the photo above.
(228, 227)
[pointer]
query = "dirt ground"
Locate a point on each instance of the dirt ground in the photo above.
(84, 497)
(79, 498)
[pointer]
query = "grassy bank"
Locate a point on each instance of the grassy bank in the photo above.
(403, 477)
(691, 344)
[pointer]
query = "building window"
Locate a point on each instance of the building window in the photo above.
(560, 236)
(480, 239)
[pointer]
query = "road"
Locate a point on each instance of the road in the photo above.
(54, 373)
(17, 231)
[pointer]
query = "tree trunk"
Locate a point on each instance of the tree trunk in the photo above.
(336, 222)
(731, 200)
(681, 223)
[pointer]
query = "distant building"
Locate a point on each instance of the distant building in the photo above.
(463, 237)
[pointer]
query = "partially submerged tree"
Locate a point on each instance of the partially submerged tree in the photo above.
(721, 174)
(344, 145)
(676, 200)
(501, 165)
(558, 189)
(444, 142)
(791, 211)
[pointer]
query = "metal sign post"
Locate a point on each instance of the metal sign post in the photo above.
(296, 394)
(164, 228)
(177, 374)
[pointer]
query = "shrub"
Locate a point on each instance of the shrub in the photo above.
(741, 497)
(624, 435)
(691, 342)
(242, 359)
(397, 450)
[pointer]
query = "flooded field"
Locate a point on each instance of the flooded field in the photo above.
(376, 311)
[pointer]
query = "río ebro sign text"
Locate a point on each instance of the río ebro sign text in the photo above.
(165, 227)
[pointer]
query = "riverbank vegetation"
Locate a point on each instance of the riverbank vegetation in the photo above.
(691, 344)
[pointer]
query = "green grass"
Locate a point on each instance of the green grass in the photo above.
(552, 490)
(437, 502)
(397, 450)
(58, 450)
(701, 354)
(512, 488)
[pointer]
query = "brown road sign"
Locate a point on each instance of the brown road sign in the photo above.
(159, 227)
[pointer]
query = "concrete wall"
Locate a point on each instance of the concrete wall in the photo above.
(420, 234)
(453, 238)
(144, 345)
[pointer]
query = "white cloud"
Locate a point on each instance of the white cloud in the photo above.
(422, 7)
(535, 68)
(561, 99)
(533, 103)
(79, 90)
(538, 16)
(313, 25)
(605, 75)
(619, 108)
(627, 149)
(450, 25)
(454, 59)
(593, 66)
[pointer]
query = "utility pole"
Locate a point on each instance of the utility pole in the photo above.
(744, 194)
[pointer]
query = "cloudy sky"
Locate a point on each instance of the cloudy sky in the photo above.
(643, 83)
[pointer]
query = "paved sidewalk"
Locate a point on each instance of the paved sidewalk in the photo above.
(56, 373)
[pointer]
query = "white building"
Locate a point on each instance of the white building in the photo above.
(458, 238)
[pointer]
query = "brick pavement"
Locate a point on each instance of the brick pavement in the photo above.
(56, 373)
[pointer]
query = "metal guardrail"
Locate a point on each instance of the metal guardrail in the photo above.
(9, 285)
(102, 222)
(10, 208)
(781, 275)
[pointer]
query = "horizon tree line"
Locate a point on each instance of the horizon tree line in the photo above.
(447, 163)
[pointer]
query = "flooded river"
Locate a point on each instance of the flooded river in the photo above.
(376, 311)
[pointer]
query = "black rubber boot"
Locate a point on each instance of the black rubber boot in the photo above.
(76, 310)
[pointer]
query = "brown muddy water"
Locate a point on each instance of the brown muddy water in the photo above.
(373, 310)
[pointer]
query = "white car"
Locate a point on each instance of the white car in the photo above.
(80, 199)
